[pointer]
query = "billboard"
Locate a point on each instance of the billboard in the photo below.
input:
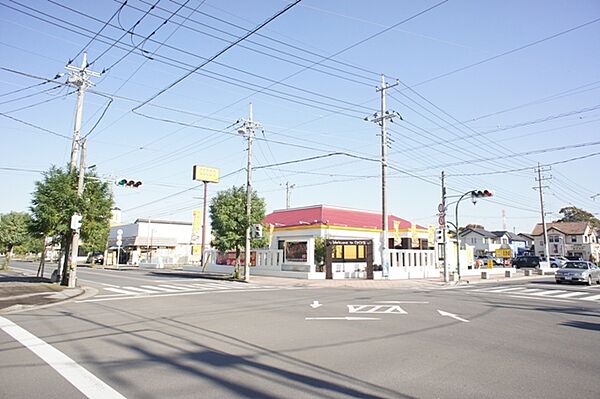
(205, 174)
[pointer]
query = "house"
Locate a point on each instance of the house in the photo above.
(483, 242)
(487, 242)
(576, 239)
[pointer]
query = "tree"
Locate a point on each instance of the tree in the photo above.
(574, 214)
(13, 232)
(229, 221)
(55, 200)
(320, 251)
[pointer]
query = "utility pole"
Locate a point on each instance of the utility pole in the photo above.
(247, 129)
(539, 179)
(442, 226)
(288, 189)
(381, 120)
(75, 240)
(79, 77)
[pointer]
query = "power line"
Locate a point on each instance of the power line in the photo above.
(270, 19)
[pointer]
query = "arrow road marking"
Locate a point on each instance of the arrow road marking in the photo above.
(441, 312)
(315, 304)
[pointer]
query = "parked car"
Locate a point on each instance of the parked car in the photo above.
(579, 271)
(95, 258)
(526, 261)
(556, 261)
(570, 257)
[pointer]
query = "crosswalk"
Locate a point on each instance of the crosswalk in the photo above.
(115, 292)
(590, 295)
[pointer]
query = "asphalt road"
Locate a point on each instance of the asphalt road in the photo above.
(176, 337)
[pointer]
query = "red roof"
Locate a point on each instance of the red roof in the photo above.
(332, 216)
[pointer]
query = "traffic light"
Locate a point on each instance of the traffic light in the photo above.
(256, 231)
(439, 235)
(475, 194)
(76, 221)
(128, 183)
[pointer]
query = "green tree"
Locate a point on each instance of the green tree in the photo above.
(55, 200)
(320, 249)
(574, 214)
(229, 221)
(13, 232)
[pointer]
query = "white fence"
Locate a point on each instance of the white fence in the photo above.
(407, 264)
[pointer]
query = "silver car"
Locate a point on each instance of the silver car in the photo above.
(578, 271)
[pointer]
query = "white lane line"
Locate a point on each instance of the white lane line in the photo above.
(537, 298)
(548, 293)
(176, 287)
(348, 318)
(120, 291)
(211, 286)
(505, 289)
(160, 289)
(571, 294)
(139, 290)
(590, 298)
(159, 295)
(86, 382)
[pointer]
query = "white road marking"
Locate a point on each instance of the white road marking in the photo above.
(540, 298)
(504, 289)
(139, 290)
(452, 315)
(402, 302)
(570, 294)
(120, 291)
(548, 293)
(590, 298)
(315, 304)
(86, 382)
(348, 318)
(159, 295)
(394, 309)
(176, 287)
(155, 288)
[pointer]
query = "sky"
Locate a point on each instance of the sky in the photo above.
(486, 91)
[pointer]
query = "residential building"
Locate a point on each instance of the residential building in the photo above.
(487, 242)
(576, 239)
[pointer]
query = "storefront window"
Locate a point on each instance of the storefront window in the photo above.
(296, 251)
(349, 253)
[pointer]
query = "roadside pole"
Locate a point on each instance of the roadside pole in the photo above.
(75, 242)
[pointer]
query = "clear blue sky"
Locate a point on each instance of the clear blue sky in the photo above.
(487, 89)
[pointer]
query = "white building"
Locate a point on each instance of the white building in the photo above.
(151, 241)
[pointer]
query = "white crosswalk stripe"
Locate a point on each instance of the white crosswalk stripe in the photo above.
(181, 288)
(523, 290)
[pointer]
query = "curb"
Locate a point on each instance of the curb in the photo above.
(18, 308)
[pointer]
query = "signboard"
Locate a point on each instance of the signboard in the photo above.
(503, 253)
(196, 225)
(205, 174)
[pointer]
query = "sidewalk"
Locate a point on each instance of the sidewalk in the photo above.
(350, 283)
(18, 291)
